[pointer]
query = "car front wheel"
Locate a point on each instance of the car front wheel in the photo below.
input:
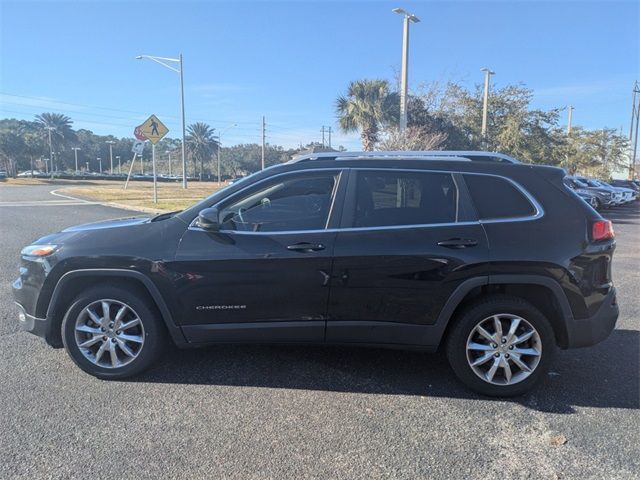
(112, 333)
(501, 346)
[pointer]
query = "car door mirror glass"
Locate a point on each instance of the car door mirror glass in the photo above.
(208, 219)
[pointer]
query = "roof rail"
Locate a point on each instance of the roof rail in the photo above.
(413, 155)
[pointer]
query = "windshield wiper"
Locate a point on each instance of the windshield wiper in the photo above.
(164, 216)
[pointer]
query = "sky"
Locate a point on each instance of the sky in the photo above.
(290, 60)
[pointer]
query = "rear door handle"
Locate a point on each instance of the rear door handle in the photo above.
(306, 247)
(458, 243)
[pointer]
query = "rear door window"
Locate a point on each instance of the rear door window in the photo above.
(406, 198)
(498, 198)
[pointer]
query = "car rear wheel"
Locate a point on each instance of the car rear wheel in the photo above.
(112, 333)
(501, 346)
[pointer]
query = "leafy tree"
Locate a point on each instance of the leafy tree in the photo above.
(367, 106)
(414, 138)
(11, 145)
(247, 158)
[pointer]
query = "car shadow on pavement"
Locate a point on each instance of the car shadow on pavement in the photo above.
(603, 376)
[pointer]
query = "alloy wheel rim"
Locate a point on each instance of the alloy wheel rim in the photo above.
(109, 333)
(504, 349)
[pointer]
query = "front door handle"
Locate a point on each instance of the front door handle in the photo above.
(306, 247)
(458, 243)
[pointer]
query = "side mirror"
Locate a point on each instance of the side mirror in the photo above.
(208, 219)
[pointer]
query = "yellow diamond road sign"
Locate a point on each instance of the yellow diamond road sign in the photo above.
(153, 129)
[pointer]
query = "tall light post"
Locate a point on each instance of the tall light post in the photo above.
(119, 167)
(485, 103)
(180, 70)
(168, 152)
(633, 129)
(408, 17)
(75, 152)
(110, 143)
(220, 147)
(50, 150)
(100, 163)
(570, 108)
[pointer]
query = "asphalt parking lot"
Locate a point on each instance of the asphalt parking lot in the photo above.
(297, 412)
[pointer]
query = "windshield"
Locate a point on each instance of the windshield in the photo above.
(592, 183)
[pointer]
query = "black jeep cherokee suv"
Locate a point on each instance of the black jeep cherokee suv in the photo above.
(497, 261)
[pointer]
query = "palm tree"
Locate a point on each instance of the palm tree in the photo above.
(201, 143)
(367, 106)
(58, 126)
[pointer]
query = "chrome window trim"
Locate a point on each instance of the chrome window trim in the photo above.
(539, 211)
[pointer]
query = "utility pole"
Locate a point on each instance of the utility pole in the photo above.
(570, 108)
(326, 130)
(50, 151)
(110, 142)
(404, 74)
(567, 160)
(263, 139)
(100, 163)
(633, 129)
(485, 104)
(75, 151)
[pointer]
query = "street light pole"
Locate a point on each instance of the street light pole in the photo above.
(184, 127)
(100, 163)
(168, 152)
(110, 142)
(119, 169)
(75, 151)
(485, 103)
(50, 151)
(570, 108)
(404, 74)
(162, 61)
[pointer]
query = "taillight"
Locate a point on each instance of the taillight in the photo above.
(602, 230)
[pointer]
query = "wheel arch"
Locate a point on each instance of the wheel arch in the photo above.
(544, 293)
(75, 281)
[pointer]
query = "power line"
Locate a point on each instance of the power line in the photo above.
(59, 102)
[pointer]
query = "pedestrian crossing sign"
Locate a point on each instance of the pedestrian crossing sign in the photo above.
(153, 129)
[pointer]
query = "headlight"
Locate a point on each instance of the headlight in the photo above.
(38, 250)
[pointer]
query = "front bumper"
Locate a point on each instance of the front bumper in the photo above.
(31, 324)
(590, 331)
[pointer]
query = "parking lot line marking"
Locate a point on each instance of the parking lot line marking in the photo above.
(46, 204)
(55, 192)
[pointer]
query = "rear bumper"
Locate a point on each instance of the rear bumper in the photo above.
(595, 329)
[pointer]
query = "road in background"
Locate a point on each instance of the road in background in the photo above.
(327, 412)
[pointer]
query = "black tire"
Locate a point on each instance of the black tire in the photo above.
(154, 332)
(456, 343)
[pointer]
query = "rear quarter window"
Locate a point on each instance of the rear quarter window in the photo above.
(497, 198)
